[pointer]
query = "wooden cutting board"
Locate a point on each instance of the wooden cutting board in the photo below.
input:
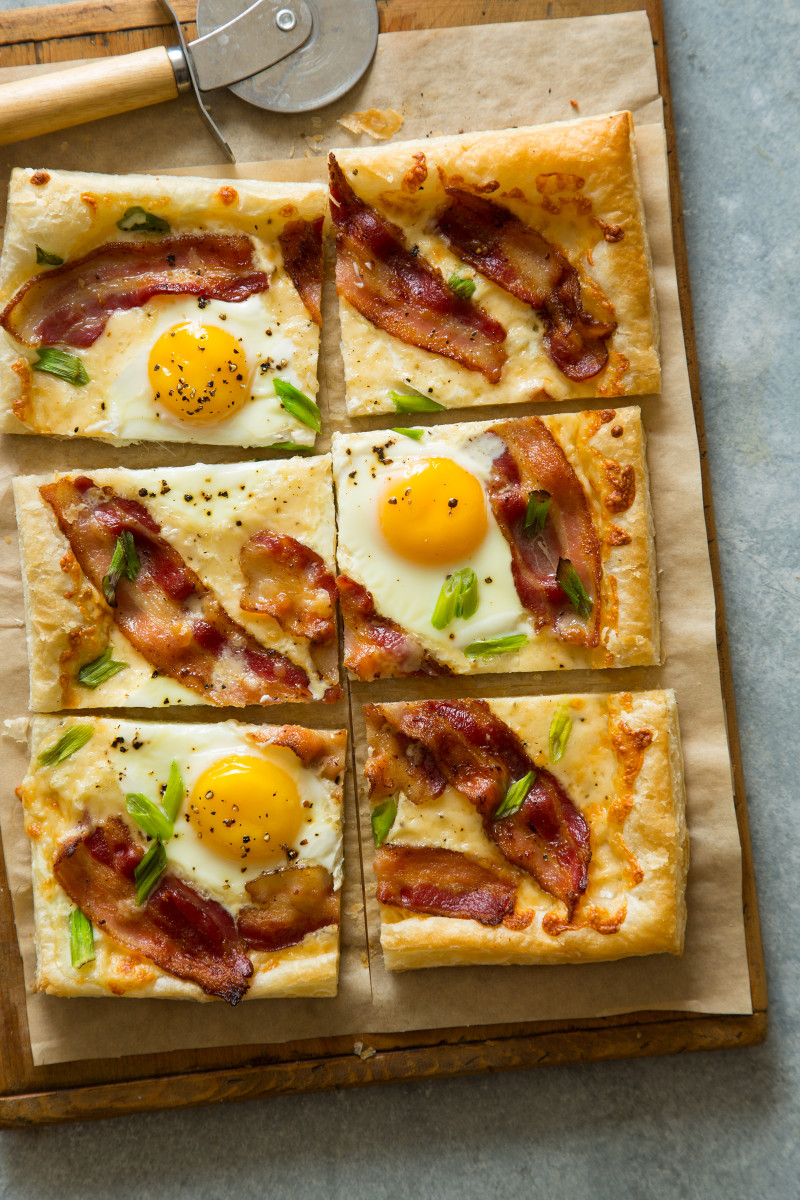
(77, 1091)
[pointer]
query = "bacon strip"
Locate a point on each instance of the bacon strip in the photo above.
(518, 259)
(323, 752)
(178, 929)
(444, 883)
(290, 582)
(480, 756)
(399, 291)
(71, 304)
(532, 461)
(301, 243)
(168, 614)
(376, 647)
(288, 904)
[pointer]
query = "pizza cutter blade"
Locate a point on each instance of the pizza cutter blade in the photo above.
(286, 56)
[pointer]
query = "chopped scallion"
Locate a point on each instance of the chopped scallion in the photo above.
(292, 448)
(48, 260)
(560, 729)
(569, 581)
(61, 364)
(149, 870)
(124, 561)
(139, 220)
(298, 405)
(81, 938)
(489, 647)
(515, 796)
(413, 401)
(462, 285)
(383, 818)
(151, 817)
(174, 792)
(458, 598)
(414, 434)
(75, 737)
(536, 515)
(93, 673)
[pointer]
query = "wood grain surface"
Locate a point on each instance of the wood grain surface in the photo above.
(70, 1091)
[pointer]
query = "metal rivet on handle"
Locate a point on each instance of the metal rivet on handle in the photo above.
(285, 19)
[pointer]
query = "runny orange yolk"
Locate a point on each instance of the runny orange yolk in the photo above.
(247, 809)
(434, 512)
(199, 373)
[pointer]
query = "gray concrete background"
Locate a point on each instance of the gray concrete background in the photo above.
(705, 1125)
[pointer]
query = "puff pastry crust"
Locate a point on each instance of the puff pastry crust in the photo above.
(207, 514)
(59, 801)
(634, 804)
(607, 451)
(577, 184)
(69, 214)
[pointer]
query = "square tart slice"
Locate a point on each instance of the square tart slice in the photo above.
(150, 308)
(494, 268)
(522, 544)
(182, 585)
(545, 829)
(189, 862)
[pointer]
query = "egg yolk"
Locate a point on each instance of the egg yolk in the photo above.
(199, 373)
(434, 512)
(246, 809)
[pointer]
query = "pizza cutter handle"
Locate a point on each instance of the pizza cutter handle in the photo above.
(99, 88)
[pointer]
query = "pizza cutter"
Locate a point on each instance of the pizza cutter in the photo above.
(285, 56)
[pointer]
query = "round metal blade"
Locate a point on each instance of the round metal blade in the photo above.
(338, 51)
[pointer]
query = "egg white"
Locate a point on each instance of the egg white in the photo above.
(407, 591)
(118, 362)
(142, 758)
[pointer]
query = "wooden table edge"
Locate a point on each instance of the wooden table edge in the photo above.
(577, 1042)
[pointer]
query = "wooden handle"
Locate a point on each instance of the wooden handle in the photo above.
(100, 88)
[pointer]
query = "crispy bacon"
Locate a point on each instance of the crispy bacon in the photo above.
(376, 647)
(290, 582)
(71, 305)
(168, 614)
(323, 752)
(400, 291)
(532, 461)
(301, 243)
(443, 882)
(480, 756)
(288, 904)
(518, 259)
(399, 764)
(179, 930)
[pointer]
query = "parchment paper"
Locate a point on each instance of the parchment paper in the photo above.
(553, 63)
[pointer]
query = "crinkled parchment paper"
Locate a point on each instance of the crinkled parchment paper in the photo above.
(602, 64)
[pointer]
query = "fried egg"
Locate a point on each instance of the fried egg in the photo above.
(247, 807)
(411, 513)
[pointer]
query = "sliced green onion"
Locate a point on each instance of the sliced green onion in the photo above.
(515, 796)
(124, 561)
(414, 401)
(64, 366)
(536, 515)
(489, 647)
(414, 434)
(49, 260)
(298, 404)
(568, 579)
(81, 938)
(75, 737)
(149, 870)
(93, 673)
(150, 816)
(462, 285)
(458, 598)
(383, 819)
(139, 220)
(292, 448)
(173, 792)
(560, 729)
